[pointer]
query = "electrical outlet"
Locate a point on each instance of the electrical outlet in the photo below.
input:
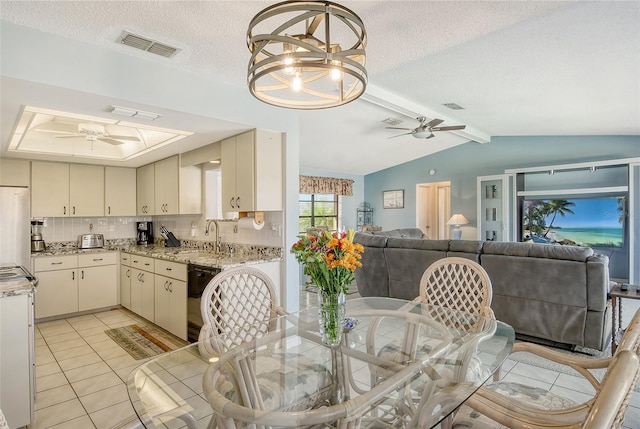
(276, 230)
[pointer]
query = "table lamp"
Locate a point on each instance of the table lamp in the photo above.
(457, 220)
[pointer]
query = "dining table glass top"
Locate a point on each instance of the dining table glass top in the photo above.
(400, 364)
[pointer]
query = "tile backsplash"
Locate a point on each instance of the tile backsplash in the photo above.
(184, 227)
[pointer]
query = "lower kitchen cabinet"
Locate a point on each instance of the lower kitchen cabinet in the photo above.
(171, 297)
(57, 291)
(142, 287)
(97, 280)
(125, 280)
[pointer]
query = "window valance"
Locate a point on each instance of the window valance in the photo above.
(325, 185)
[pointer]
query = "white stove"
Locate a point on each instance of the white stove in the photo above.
(12, 272)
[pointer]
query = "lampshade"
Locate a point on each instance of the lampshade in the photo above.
(458, 219)
(306, 55)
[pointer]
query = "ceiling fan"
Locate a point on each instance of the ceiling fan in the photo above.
(425, 129)
(92, 132)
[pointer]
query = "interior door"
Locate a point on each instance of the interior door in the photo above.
(433, 208)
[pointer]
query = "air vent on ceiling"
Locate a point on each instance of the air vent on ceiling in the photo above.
(148, 45)
(392, 121)
(453, 106)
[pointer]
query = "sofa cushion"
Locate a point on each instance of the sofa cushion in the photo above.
(418, 244)
(570, 253)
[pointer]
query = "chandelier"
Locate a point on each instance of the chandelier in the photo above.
(306, 55)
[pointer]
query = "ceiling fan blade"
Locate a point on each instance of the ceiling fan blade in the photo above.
(131, 138)
(110, 141)
(392, 137)
(451, 128)
(70, 136)
(433, 123)
(397, 128)
(56, 127)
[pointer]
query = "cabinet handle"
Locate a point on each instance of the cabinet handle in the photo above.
(73, 275)
(135, 261)
(97, 259)
(141, 277)
(238, 202)
(231, 202)
(128, 274)
(74, 209)
(64, 210)
(170, 283)
(109, 210)
(82, 274)
(139, 274)
(56, 263)
(147, 264)
(166, 285)
(168, 269)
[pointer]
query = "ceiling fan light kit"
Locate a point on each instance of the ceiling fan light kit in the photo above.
(307, 55)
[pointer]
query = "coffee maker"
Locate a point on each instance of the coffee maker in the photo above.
(144, 233)
(37, 243)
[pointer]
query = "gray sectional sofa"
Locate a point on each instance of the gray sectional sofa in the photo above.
(553, 293)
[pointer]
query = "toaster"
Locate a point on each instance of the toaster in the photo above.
(90, 241)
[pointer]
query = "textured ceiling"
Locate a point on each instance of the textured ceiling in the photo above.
(517, 68)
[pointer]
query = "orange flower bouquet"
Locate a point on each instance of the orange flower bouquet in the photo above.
(330, 260)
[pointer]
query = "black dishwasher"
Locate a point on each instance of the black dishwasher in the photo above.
(198, 277)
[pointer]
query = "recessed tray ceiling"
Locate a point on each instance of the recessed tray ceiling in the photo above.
(46, 131)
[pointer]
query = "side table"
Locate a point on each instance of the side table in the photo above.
(617, 295)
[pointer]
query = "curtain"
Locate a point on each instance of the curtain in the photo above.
(325, 185)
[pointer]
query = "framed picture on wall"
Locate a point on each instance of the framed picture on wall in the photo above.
(393, 199)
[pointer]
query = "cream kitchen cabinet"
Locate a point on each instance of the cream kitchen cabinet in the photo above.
(252, 171)
(171, 297)
(57, 291)
(167, 188)
(62, 190)
(119, 191)
(86, 190)
(125, 280)
(49, 189)
(142, 287)
(97, 280)
(145, 190)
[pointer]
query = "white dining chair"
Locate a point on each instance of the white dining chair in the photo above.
(518, 405)
(239, 306)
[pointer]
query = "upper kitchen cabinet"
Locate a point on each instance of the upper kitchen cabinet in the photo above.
(252, 172)
(14, 172)
(145, 190)
(86, 190)
(62, 190)
(119, 191)
(167, 188)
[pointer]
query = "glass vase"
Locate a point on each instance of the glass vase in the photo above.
(331, 314)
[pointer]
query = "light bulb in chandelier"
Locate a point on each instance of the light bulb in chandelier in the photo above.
(288, 66)
(296, 83)
(336, 73)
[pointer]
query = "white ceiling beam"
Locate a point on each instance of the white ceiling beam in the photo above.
(388, 100)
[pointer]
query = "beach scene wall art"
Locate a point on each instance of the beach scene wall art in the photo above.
(592, 222)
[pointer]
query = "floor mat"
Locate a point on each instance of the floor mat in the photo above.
(143, 342)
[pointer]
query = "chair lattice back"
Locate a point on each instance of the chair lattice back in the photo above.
(630, 341)
(239, 305)
(457, 283)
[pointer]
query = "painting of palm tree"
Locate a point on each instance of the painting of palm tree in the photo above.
(589, 221)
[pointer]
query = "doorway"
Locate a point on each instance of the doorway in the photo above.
(433, 209)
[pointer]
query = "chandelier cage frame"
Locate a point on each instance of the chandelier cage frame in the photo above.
(328, 75)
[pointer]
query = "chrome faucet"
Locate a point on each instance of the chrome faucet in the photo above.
(217, 237)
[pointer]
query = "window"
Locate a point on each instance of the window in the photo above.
(317, 210)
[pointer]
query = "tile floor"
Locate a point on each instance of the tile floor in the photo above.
(81, 373)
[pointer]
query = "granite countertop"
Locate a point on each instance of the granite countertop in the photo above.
(184, 255)
(16, 287)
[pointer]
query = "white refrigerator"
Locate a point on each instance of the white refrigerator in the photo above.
(15, 229)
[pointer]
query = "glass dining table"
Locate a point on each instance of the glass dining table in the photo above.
(400, 364)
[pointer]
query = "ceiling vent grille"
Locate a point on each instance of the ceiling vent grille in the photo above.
(148, 45)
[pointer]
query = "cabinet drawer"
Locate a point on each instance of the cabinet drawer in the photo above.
(97, 259)
(54, 263)
(142, 262)
(125, 259)
(175, 270)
